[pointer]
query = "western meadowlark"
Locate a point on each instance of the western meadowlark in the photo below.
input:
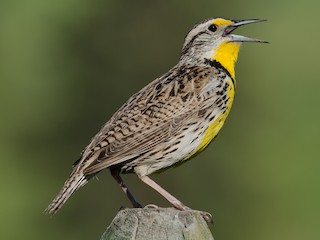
(171, 119)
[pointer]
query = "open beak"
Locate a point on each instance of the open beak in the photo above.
(238, 38)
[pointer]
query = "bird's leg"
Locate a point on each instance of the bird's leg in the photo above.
(175, 202)
(116, 175)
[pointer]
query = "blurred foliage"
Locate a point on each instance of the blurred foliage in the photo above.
(66, 66)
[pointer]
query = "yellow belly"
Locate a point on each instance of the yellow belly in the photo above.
(214, 128)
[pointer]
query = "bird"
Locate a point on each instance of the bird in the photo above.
(170, 120)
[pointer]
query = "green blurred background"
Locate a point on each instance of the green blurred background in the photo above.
(66, 66)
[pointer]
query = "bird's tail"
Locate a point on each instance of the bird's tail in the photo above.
(75, 181)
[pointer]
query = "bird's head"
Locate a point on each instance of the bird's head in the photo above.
(213, 40)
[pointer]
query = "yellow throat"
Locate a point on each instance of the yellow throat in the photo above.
(227, 54)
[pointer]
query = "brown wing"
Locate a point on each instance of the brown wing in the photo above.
(139, 145)
(149, 118)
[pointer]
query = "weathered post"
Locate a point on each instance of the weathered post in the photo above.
(153, 223)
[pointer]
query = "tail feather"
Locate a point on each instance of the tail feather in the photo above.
(75, 181)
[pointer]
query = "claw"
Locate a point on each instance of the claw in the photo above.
(207, 217)
(151, 206)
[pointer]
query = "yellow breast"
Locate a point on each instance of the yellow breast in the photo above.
(216, 125)
(226, 54)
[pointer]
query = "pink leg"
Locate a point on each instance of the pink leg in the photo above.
(175, 202)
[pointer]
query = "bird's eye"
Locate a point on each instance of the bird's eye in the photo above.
(212, 28)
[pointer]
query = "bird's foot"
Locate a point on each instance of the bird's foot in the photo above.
(206, 216)
(151, 206)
